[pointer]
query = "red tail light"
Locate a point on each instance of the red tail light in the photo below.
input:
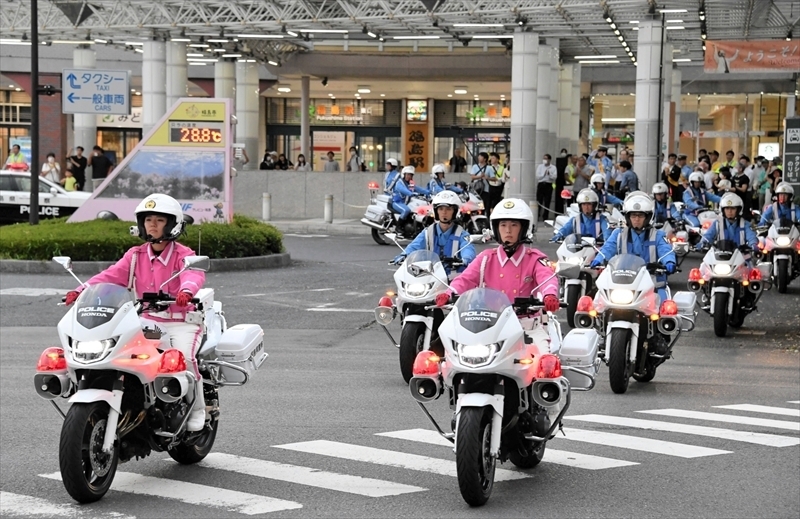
(52, 359)
(680, 239)
(172, 361)
(668, 308)
(797, 245)
(385, 302)
(694, 275)
(423, 210)
(426, 363)
(411, 184)
(566, 194)
(549, 366)
(585, 304)
(372, 185)
(707, 224)
(755, 275)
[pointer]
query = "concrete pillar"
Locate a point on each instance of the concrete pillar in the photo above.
(791, 105)
(305, 118)
(543, 103)
(575, 106)
(84, 125)
(565, 108)
(647, 103)
(555, 68)
(177, 79)
(666, 99)
(524, 82)
(224, 79)
(247, 98)
(154, 83)
(676, 100)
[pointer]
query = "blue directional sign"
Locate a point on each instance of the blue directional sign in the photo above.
(90, 91)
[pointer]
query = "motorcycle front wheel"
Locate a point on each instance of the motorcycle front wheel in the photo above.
(573, 294)
(618, 360)
(474, 465)
(378, 238)
(412, 340)
(720, 314)
(86, 471)
(782, 273)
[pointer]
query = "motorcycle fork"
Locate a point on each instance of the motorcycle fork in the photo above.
(113, 416)
(643, 344)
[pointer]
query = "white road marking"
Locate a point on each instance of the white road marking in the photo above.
(306, 235)
(401, 460)
(194, 494)
(556, 457)
(18, 505)
(793, 401)
(770, 440)
(307, 476)
(320, 289)
(726, 418)
(252, 295)
(352, 310)
(636, 443)
(750, 332)
(33, 292)
(784, 411)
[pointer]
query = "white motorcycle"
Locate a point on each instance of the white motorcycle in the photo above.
(729, 288)
(782, 247)
(694, 234)
(638, 335)
(472, 215)
(574, 251)
(127, 385)
(613, 217)
(507, 393)
(382, 219)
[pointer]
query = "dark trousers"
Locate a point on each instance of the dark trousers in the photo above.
(544, 192)
(492, 197)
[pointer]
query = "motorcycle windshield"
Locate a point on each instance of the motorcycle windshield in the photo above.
(478, 309)
(419, 260)
(724, 249)
(783, 226)
(99, 303)
(624, 268)
(573, 242)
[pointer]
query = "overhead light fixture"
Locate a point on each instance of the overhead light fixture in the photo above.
(217, 40)
(186, 40)
(195, 55)
(449, 95)
(202, 60)
(613, 25)
(231, 55)
(634, 21)
(5, 41)
(598, 62)
(607, 16)
(383, 95)
(675, 27)
(460, 90)
(273, 63)
(260, 36)
(293, 34)
(371, 34)
(130, 43)
(284, 88)
(98, 40)
(789, 36)
(521, 20)
(325, 81)
(704, 36)
(668, 11)
(635, 28)
(220, 50)
(604, 56)
(364, 90)
(492, 36)
(140, 51)
(618, 119)
(674, 21)
(420, 37)
(324, 31)
(621, 38)
(681, 60)
(198, 45)
(478, 25)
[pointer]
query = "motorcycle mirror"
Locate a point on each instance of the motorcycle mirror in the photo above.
(66, 262)
(393, 236)
(197, 263)
(551, 223)
(568, 270)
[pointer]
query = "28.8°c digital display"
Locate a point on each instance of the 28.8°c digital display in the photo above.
(200, 135)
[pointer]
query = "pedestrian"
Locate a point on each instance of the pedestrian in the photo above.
(761, 182)
(545, 177)
(267, 163)
(583, 174)
(729, 160)
(602, 164)
(16, 159)
(69, 181)
(51, 170)
(715, 163)
(458, 164)
(497, 181)
(77, 163)
(630, 181)
(569, 171)
(100, 167)
(301, 164)
(330, 164)
(479, 174)
(355, 163)
(283, 163)
(741, 184)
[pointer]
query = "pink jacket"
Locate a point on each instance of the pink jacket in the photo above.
(151, 271)
(516, 276)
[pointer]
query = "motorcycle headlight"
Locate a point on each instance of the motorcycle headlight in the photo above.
(477, 354)
(783, 241)
(480, 206)
(92, 351)
(575, 260)
(418, 289)
(620, 296)
(722, 269)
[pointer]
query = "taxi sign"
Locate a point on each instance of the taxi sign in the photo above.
(91, 91)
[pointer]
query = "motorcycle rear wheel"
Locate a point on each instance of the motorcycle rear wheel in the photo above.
(412, 340)
(190, 454)
(649, 371)
(573, 294)
(782, 273)
(474, 465)
(534, 456)
(721, 314)
(378, 238)
(86, 471)
(618, 375)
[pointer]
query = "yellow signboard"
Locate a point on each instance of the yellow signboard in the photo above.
(199, 124)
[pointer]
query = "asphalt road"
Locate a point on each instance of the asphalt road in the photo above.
(331, 388)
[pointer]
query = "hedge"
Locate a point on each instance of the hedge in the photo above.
(103, 240)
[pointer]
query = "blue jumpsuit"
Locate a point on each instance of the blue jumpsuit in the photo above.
(606, 198)
(389, 180)
(665, 210)
(734, 231)
(588, 227)
(784, 211)
(696, 200)
(438, 185)
(402, 194)
(444, 245)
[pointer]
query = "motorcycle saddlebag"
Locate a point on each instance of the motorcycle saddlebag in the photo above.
(242, 345)
(376, 213)
(579, 350)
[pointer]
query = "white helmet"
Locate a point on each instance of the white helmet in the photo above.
(163, 205)
(393, 162)
(697, 177)
(660, 188)
(408, 170)
(724, 184)
(511, 209)
(731, 200)
(598, 177)
(784, 188)
(638, 202)
(437, 168)
(445, 198)
(588, 196)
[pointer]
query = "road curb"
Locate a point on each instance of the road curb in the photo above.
(321, 228)
(93, 267)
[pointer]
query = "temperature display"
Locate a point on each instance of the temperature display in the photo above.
(196, 134)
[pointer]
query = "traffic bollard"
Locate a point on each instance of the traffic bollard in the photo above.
(266, 206)
(328, 209)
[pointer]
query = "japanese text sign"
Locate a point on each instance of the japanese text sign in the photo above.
(90, 91)
(723, 57)
(791, 151)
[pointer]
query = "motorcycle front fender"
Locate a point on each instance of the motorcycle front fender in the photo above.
(484, 400)
(626, 325)
(416, 318)
(717, 290)
(87, 396)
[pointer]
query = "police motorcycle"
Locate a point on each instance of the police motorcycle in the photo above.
(472, 215)
(580, 251)
(729, 289)
(612, 214)
(419, 279)
(380, 217)
(127, 386)
(508, 394)
(706, 218)
(781, 249)
(673, 225)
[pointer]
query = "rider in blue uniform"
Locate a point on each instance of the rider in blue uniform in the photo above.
(664, 209)
(445, 237)
(783, 208)
(590, 221)
(404, 189)
(603, 196)
(697, 198)
(391, 177)
(733, 226)
(437, 183)
(641, 239)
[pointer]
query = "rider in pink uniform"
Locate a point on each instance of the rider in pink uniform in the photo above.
(145, 267)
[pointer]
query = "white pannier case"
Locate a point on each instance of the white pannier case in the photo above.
(242, 345)
(579, 350)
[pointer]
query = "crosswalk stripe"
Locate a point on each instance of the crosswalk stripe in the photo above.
(18, 505)
(556, 457)
(624, 441)
(784, 411)
(402, 460)
(194, 494)
(769, 440)
(793, 401)
(726, 418)
(307, 476)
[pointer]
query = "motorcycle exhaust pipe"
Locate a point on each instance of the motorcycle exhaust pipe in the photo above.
(172, 388)
(370, 223)
(425, 389)
(668, 325)
(547, 393)
(50, 386)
